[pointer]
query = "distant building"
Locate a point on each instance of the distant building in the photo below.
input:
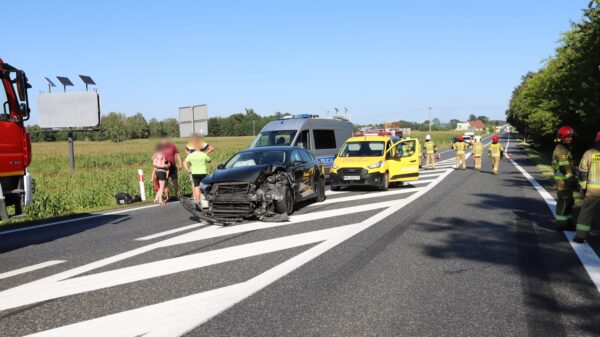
(391, 125)
(470, 126)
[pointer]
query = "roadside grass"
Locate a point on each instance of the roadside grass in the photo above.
(103, 169)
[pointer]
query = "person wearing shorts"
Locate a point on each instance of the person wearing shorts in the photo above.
(196, 163)
(161, 167)
(172, 154)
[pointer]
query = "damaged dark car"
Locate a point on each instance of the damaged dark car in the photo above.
(263, 183)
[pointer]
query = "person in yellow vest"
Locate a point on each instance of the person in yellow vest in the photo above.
(429, 151)
(460, 147)
(477, 152)
(496, 152)
(564, 176)
(589, 180)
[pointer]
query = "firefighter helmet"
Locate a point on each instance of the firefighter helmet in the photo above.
(461, 138)
(565, 131)
(495, 138)
(598, 136)
(428, 137)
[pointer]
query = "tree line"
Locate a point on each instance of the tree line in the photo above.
(566, 90)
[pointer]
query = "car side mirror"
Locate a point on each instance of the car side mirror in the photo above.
(220, 166)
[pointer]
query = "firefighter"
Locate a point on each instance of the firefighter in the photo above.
(460, 147)
(429, 151)
(564, 176)
(589, 180)
(496, 152)
(477, 152)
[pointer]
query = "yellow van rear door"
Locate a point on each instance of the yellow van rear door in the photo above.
(406, 167)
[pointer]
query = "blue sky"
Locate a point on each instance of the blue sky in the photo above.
(384, 60)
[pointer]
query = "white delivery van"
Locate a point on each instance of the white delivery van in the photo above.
(323, 137)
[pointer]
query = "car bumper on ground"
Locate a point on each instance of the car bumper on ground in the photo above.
(356, 179)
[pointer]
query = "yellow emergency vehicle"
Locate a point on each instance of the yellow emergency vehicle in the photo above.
(376, 160)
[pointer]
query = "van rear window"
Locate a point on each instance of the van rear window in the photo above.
(324, 139)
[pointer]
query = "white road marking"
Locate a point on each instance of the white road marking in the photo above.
(65, 283)
(585, 253)
(178, 316)
(30, 268)
(171, 231)
(365, 196)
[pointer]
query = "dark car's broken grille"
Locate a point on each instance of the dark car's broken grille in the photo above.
(232, 188)
(231, 200)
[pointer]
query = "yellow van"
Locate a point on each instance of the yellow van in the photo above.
(376, 161)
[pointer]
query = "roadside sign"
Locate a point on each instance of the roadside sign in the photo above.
(193, 119)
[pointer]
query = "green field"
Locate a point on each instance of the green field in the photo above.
(106, 168)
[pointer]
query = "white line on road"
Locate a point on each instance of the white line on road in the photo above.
(30, 268)
(585, 253)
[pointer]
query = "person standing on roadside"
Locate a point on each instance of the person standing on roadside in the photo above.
(564, 176)
(496, 152)
(197, 143)
(161, 171)
(196, 164)
(589, 180)
(460, 147)
(172, 154)
(477, 152)
(429, 150)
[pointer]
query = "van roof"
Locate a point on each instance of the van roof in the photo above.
(299, 123)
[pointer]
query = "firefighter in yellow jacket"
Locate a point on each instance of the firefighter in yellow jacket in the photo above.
(589, 180)
(429, 151)
(460, 147)
(477, 152)
(496, 152)
(564, 176)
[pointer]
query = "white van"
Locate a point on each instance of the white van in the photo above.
(321, 136)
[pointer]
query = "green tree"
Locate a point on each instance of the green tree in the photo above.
(170, 127)
(137, 127)
(155, 128)
(113, 126)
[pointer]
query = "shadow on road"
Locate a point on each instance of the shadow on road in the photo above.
(42, 235)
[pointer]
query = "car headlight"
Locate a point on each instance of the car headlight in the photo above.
(334, 166)
(376, 165)
(203, 186)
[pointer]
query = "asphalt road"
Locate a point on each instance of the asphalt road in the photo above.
(459, 253)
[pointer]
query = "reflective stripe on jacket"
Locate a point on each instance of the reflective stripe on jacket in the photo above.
(496, 150)
(460, 147)
(589, 173)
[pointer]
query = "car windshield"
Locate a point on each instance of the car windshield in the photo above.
(363, 149)
(253, 158)
(274, 138)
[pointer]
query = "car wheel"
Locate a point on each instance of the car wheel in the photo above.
(321, 190)
(285, 205)
(385, 184)
(335, 188)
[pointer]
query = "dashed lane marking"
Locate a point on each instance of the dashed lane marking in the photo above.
(30, 268)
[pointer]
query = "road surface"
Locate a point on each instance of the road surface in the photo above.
(458, 253)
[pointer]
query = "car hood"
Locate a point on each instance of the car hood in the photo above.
(246, 174)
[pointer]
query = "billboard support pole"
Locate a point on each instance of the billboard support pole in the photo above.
(71, 150)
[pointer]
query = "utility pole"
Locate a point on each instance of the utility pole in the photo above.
(253, 128)
(429, 120)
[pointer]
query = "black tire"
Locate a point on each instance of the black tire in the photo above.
(385, 184)
(320, 190)
(285, 205)
(335, 188)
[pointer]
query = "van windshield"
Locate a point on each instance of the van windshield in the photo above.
(362, 149)
(274, 138)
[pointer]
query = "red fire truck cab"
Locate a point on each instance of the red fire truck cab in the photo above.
(15, 146)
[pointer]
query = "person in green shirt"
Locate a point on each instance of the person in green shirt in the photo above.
(196, 164)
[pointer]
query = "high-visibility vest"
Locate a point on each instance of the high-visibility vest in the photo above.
(562, 163)
(429, 147)
(496, 149)
(589, 172)
(460, 147)
(477, 149)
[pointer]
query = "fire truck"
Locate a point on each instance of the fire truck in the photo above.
(15, 146)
